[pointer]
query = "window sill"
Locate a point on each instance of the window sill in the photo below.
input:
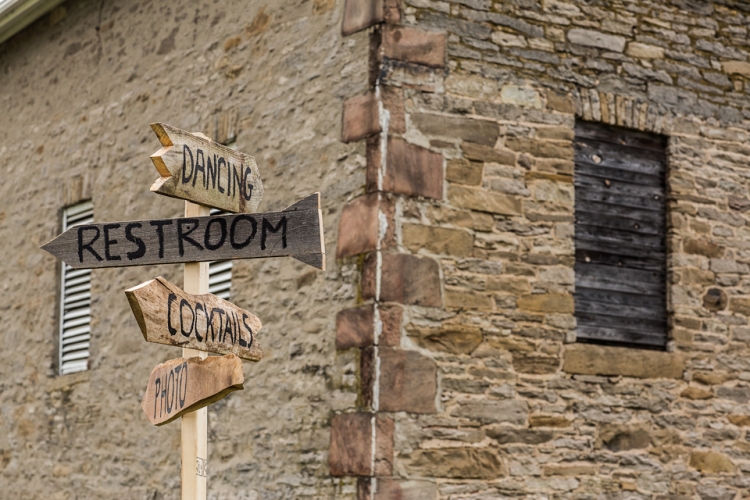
(65, 382)
(590, 359)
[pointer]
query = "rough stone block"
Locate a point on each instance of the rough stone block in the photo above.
(405, 279)
(410, 170)
(355, 327)
(360, 118)
(468, 300)
(351, 450)
(490, 411)
(508, 435)
(361, 14)
(468, 129)
(460, 463)
(395, 489)
(703, 247)
(740, 305)
(617, 437)
(480, 152)
(535, 363)
(711, 462)
(548, 421)
(438, 240)
(408, 381)
(547, 303)
(452, 338)
(591, 38)
(483, 200)
(736, 68)
(464, 172)
(590, 359)
(405, 43)
(360, 225)
(644, 51)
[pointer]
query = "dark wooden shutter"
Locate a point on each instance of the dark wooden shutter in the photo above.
(620, 229)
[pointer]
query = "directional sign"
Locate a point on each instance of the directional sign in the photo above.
(182, 385)
(296, 231)
(195, 168)
(168, 315)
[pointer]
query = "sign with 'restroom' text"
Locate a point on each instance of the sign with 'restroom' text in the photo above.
(168, 315)
(297, 231)
(194, 168)
(181, 385)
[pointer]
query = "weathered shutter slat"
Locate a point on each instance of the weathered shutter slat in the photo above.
(620, 232)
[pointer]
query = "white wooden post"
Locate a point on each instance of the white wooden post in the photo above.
(195, 424)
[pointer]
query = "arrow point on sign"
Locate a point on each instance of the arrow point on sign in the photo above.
(135, 306)
(160, 129)
(158, 161)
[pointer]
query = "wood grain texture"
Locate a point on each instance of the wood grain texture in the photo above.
(620, 236)
(193, 167)
(180, 386)
(168, 315)
(296, 231)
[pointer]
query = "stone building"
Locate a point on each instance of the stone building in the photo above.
(487, 326)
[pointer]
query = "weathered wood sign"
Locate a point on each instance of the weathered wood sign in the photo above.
(181, 385)
(168, 315)
(195, 168)
(296, 231)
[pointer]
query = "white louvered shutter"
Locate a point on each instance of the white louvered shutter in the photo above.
(220, 272)
(75, 301)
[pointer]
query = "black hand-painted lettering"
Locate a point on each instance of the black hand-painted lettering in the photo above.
(200, 164)
(247, 187)
(185, 177)
(210, 173)
(109, 242)
(199, 306)
(207, 238)
(210, 325)
(172, 298)
(87, 246)
(218, 168)
(233, 231)
(170, 394)
(236, 180)
(160, 231)
(268, 226)
(184, 303)
(249, 331)
(192, 224)
(221, 320)
(135, 239)
(157, 384)
(183, 395)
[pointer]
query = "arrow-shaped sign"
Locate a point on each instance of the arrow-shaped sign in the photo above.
(195, 168)
(168, 315)
(296, 231)
(181, 385)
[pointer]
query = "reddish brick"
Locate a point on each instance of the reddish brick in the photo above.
(351, 445)
(413, 45)
(412, 170)
(361, 14)
(392, 11)
(367, 377)
(359, 226)
(360, 118)
(406, 279)
(354, 327)
(363, 488)
(407, 381)
(391, 316)
(393, 101)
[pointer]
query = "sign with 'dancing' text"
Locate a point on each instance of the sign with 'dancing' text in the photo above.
(195, 168)
(182, 385)
(168, 315)
(296, 231)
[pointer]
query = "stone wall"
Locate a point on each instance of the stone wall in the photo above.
(471, 382)
(79, 89)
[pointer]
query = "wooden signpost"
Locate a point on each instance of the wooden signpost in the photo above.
(205, 174)
(195, 168)
(167, 315)
(296, 231)
(180, 386)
